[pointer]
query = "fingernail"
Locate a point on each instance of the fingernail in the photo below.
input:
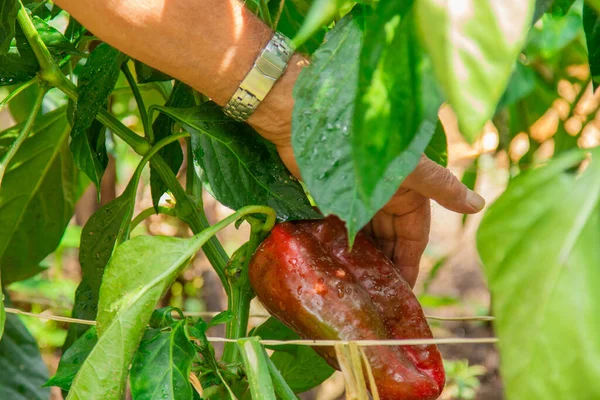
(475, 200)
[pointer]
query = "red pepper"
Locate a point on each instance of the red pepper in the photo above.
(304, 274)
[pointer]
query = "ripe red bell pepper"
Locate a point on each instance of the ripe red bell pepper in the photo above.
(304, 274)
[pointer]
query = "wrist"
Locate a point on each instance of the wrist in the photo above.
(273, 116)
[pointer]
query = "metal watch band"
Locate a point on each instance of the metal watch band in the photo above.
(268, 67)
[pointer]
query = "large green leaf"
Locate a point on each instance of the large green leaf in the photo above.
(105, 228)
(182, 96)
(138, 273)
(23, 370)
(474, 45)
(322, 129)
(134, 280)
(539, 245)
(96, 81)
(162, 365)
(300, 366)
(72, 359)
(395, 98)
(591, 26)
(238, 166)
(8, 17)
(37, 196)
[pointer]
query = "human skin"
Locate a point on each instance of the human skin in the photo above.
(211, 45)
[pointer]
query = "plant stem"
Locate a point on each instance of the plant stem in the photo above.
(241, 292)
(282, 389)
(40, 50)
(12, 151)
(148, 212)
(140, 102)
(16, 92)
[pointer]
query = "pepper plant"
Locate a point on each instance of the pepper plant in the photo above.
(365, 110)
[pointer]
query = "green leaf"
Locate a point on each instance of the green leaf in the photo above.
(292, 15)
(474, 48)
(162, 365)
(147, 74)
(539, 245)
(549, 37)
(105, 228)
(257, 369)
(320, 14)
(322, 128)
(72, 359)
(437, 149)
(23, 370)
(238, 166)
(182, 96)
(8, 17)
(134, 280)
(300, 366)
(522, 82)
(163, 317)
(394, 98)
(221, 318)
(591, 26)
(560, 8)
(96, 81)
(15, 69)
(138, 273)
(37, 196)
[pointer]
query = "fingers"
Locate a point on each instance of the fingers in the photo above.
(403, 237)
(438, 183)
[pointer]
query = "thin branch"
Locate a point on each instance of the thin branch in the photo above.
(16, 92)
(146, 123)
(14, 147)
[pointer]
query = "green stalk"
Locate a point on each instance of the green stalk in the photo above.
(148, 212)
(241, 292)
(140, 103)
(44, 58)
(16, 92)
(282, 389)
(12, 151)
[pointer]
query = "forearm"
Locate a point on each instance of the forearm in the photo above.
(209, 44)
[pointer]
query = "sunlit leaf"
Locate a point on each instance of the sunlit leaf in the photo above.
(539, 245)
(474, 45)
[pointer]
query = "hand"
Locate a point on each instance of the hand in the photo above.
(401, 227)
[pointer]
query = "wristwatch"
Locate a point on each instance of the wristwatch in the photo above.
(267, 69)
